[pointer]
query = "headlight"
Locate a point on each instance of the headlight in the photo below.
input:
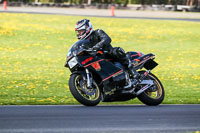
(72, 62)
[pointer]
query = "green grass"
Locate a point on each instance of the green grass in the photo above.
(33, 51)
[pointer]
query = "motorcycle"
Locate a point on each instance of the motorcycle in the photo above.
(94, 78)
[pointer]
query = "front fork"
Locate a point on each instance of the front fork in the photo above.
(89, 79)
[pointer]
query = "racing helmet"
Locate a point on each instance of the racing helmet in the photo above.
(83, 29)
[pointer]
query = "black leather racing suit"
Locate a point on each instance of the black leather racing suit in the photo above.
(99, 39)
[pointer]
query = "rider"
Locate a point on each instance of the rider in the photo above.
(100, 40)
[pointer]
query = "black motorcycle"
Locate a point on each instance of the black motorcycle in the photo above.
(96, 78)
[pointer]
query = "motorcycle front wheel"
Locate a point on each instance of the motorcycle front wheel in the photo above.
(153, 96)
(83, 94)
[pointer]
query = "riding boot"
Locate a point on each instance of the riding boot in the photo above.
(131, 82)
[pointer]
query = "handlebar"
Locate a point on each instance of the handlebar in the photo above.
(91, 50)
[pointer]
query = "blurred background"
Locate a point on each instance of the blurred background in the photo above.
(172, 5)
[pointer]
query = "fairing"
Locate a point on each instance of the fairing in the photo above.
(111, 75)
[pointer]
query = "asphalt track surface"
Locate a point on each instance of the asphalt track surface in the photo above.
(129, 14)
(100, 119)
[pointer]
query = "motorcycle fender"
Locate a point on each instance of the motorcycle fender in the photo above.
(83, 73)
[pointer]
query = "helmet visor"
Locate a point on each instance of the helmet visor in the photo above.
(80, 33)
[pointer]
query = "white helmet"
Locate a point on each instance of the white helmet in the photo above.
(83, 29)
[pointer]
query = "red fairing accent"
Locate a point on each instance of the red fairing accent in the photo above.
(87, 60)
(137, 60)
(134, 55)
(93, 62)
(113, 75)
(139, 53)
(96, 66)
(100, 52)
(142, 61)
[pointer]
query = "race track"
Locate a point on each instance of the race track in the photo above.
(100, 119)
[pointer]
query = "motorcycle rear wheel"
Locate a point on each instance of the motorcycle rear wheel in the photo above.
(76, 86)
(153, 98)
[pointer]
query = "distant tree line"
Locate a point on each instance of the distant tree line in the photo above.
(124, 2)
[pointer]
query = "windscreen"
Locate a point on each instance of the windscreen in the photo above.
(76, 46)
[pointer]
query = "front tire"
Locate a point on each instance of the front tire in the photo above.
(85, 96)
(153, 98)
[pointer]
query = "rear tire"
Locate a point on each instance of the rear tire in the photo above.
(153, 98)
(76, 85)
